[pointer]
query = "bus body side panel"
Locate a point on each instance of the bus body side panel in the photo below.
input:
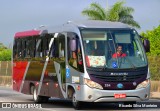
(19, 68)
(50, 86)
(50, 81)
(33, 74)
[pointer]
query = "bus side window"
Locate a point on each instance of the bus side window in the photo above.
(52, 52)
(58, 46)
(75, 57)
(28, 48)
(61, 46)
(33, 47)
(44, 46)
(19, 48)
(38, 48)
(23, 48)
(15, 54)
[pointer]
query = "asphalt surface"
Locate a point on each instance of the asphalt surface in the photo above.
(25, 102)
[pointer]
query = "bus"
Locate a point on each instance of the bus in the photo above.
(76, 61)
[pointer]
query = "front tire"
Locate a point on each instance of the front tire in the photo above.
(75, 102)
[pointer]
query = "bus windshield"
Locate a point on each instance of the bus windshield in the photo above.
(118, 49)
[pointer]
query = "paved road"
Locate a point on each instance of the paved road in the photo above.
(8, 95)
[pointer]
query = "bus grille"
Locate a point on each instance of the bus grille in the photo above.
(118, 78)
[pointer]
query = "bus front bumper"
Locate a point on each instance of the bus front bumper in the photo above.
(95, 95)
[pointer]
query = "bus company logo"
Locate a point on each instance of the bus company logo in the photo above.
(120, 85)
(119, 74)
(6, 105)
(134, 83)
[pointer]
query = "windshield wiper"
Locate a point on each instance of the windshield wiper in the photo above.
(130, 62)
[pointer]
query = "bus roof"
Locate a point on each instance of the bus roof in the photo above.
(99, 24)
(72, 26)
(27, 33)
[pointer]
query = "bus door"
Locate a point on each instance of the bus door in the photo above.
(74, 68)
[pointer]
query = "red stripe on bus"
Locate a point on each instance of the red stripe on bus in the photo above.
(18, 73)
(27, 33)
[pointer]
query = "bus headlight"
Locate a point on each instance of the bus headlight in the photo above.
(143, 84)
(92, 84)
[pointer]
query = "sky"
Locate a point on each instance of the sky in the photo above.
(22, 15)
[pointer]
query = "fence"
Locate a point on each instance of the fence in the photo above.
(5, 73)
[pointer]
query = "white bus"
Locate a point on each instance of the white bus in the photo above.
(86, 61)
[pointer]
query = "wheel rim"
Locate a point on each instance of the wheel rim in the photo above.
(74, 100)
(34, 94)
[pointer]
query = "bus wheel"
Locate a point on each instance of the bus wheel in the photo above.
(36, 98)
(76, 104)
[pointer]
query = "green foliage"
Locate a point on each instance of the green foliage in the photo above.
(5, 55)
(95, 12)
(124, 14)
(154, 65)
(118, 12)
(2, 47)
(154, 38)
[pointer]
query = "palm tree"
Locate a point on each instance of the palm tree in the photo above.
(118, 12)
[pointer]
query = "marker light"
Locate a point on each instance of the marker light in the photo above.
(37, 84)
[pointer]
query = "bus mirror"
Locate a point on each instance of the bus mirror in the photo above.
(73, 45)
(146, 45)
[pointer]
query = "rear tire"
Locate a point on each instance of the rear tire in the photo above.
(36, 98)
(75, 102)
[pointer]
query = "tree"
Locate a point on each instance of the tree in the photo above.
(2, 47)
(154, 38)
(118, 12)
(154, 55)
(5, 53)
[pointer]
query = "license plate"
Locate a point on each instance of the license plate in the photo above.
(119, 96)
